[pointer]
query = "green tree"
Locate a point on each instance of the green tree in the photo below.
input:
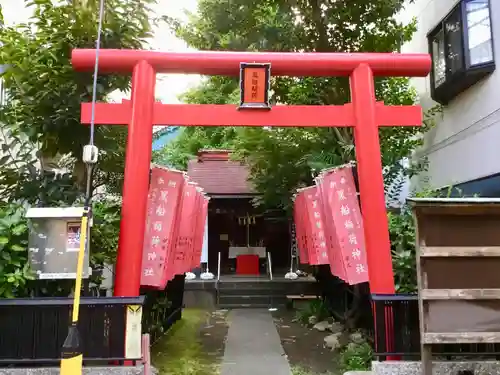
(215, 90)
(281, 160)
(45, 92)
(40, 125)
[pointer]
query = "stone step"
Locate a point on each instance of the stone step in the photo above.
(251, 292)
(243, 299)
(252, 299)
(250, 285)
(279, 287)
(230, 306)
(258, 293)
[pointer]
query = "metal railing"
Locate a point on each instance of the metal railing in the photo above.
(397, 314)
(32, 330)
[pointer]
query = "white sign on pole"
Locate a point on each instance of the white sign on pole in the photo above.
(133, 339)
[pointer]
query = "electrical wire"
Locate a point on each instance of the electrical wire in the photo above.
(71, 353)
(96, 70)
(90, 167)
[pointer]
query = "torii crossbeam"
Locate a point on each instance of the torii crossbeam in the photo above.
(142, 112)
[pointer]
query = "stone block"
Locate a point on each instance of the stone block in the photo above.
(439, 367)
(132, 370)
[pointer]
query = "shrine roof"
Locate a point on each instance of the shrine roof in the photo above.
(217, 174)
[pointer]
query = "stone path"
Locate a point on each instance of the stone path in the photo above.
(253, 346)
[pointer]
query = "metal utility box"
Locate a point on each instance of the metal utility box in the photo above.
(54, 242)
(458, 272)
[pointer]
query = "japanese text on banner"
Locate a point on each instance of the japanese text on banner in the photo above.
(317, 250)
(162, 201)
(348, 223)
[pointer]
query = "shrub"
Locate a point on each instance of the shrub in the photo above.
(356, 357)
(315, 308)
(14, 267)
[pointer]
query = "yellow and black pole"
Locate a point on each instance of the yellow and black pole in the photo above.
(72, 356)
(71, 353)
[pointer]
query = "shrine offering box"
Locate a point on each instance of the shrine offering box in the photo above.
(54, 242)
(458, 271)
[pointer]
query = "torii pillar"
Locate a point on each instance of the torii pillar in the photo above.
(364, 114)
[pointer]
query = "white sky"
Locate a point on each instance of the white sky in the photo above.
(169, 86)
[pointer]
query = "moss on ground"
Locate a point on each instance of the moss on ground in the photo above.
(298, 370)
(181, 352)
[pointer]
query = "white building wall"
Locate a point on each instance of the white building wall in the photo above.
(465, 144)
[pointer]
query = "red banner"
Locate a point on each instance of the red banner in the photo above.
(196, 218)
(316, 243)
(339, 194)
(334, 253)
(200, 230)
(183, 243)
(163, 203)
(299, 214)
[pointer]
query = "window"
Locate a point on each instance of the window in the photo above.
(480, 43)
(462, 49)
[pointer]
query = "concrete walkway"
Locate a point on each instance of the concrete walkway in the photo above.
(253, 346)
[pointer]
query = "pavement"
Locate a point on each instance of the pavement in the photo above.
(253, 346)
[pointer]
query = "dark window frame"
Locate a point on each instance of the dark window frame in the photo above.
(469, 74)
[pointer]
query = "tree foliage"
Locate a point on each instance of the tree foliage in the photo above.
(45, 92)
(41, 136)
(281, 160)
(14, 269)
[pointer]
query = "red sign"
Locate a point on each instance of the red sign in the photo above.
(342, 209)
(254, 85)
(163, 203)
(299, 214)
(316, 242)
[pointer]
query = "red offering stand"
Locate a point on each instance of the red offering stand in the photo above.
(163, 202)
(341, 207)
(247, 264)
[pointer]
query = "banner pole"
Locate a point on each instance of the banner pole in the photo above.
(72, 356)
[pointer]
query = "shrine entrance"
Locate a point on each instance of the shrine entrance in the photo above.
(142, 112)
(241, 240)
(235, 230)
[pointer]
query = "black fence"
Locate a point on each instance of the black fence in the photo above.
(396, 313)
(32, 331)
(397, 333)
(163, 308)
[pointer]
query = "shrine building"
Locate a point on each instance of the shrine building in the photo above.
(237, 230)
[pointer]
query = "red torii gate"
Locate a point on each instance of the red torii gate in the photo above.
(142, 112)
